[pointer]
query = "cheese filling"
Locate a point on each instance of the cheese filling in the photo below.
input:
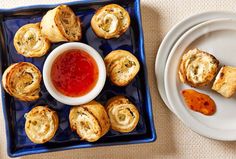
(122, 116)
(86, 126)
(31, 41)
(123, 68)
(24, 80)
(110, 23)
(198, 69)
(40, 125)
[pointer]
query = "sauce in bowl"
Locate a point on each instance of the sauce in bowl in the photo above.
(74, 73)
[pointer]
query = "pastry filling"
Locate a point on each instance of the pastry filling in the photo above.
(110, 23)
(25, 81)
(111, 20)
(40, 125)
(86, 126)
(199, 68)
(31, 41)
(124, 68)
(122, 116)
(70, 25)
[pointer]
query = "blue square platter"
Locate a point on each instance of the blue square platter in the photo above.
(137, 91)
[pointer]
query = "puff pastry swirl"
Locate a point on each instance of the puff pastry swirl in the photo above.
(90, 121)
(41, 124)
(123, 115)
(225, 81)
(197, 68)
(29, 41)
(61, 24)
(121, 66)
(22, 80)
(110, 21)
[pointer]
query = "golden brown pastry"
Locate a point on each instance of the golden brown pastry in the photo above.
(121, 66)
(61, 24)
(197, 68)
(22, 80)
(225, 82)
(90, 121)
(41, 124)
(123, 115)
(110, 21)
(29, 41)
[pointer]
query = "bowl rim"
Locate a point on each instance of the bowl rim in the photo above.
(93, 93)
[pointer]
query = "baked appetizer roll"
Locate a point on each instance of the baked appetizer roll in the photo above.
(197, 68)
(61, 24)
(123, 115)
(22, 80)
(110, 21)
(121, 66)
(90, 121)
(225, 82)
(29, 41)
(41, 124)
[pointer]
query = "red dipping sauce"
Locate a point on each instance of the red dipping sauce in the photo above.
(199, 102)
(74, 73)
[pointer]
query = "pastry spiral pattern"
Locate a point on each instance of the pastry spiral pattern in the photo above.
(90, 121)
(22, 80)
(110, 21)
(121, 66)
(197, 68)
(41, 124)
(61, 24)
(123, 115)
(29, 41)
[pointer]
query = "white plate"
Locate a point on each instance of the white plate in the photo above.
(172, 36)
(219, 38)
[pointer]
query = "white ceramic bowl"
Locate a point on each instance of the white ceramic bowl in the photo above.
(74, 100)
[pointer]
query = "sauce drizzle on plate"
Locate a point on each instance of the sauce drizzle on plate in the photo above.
(199, 102)
(74, 73)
